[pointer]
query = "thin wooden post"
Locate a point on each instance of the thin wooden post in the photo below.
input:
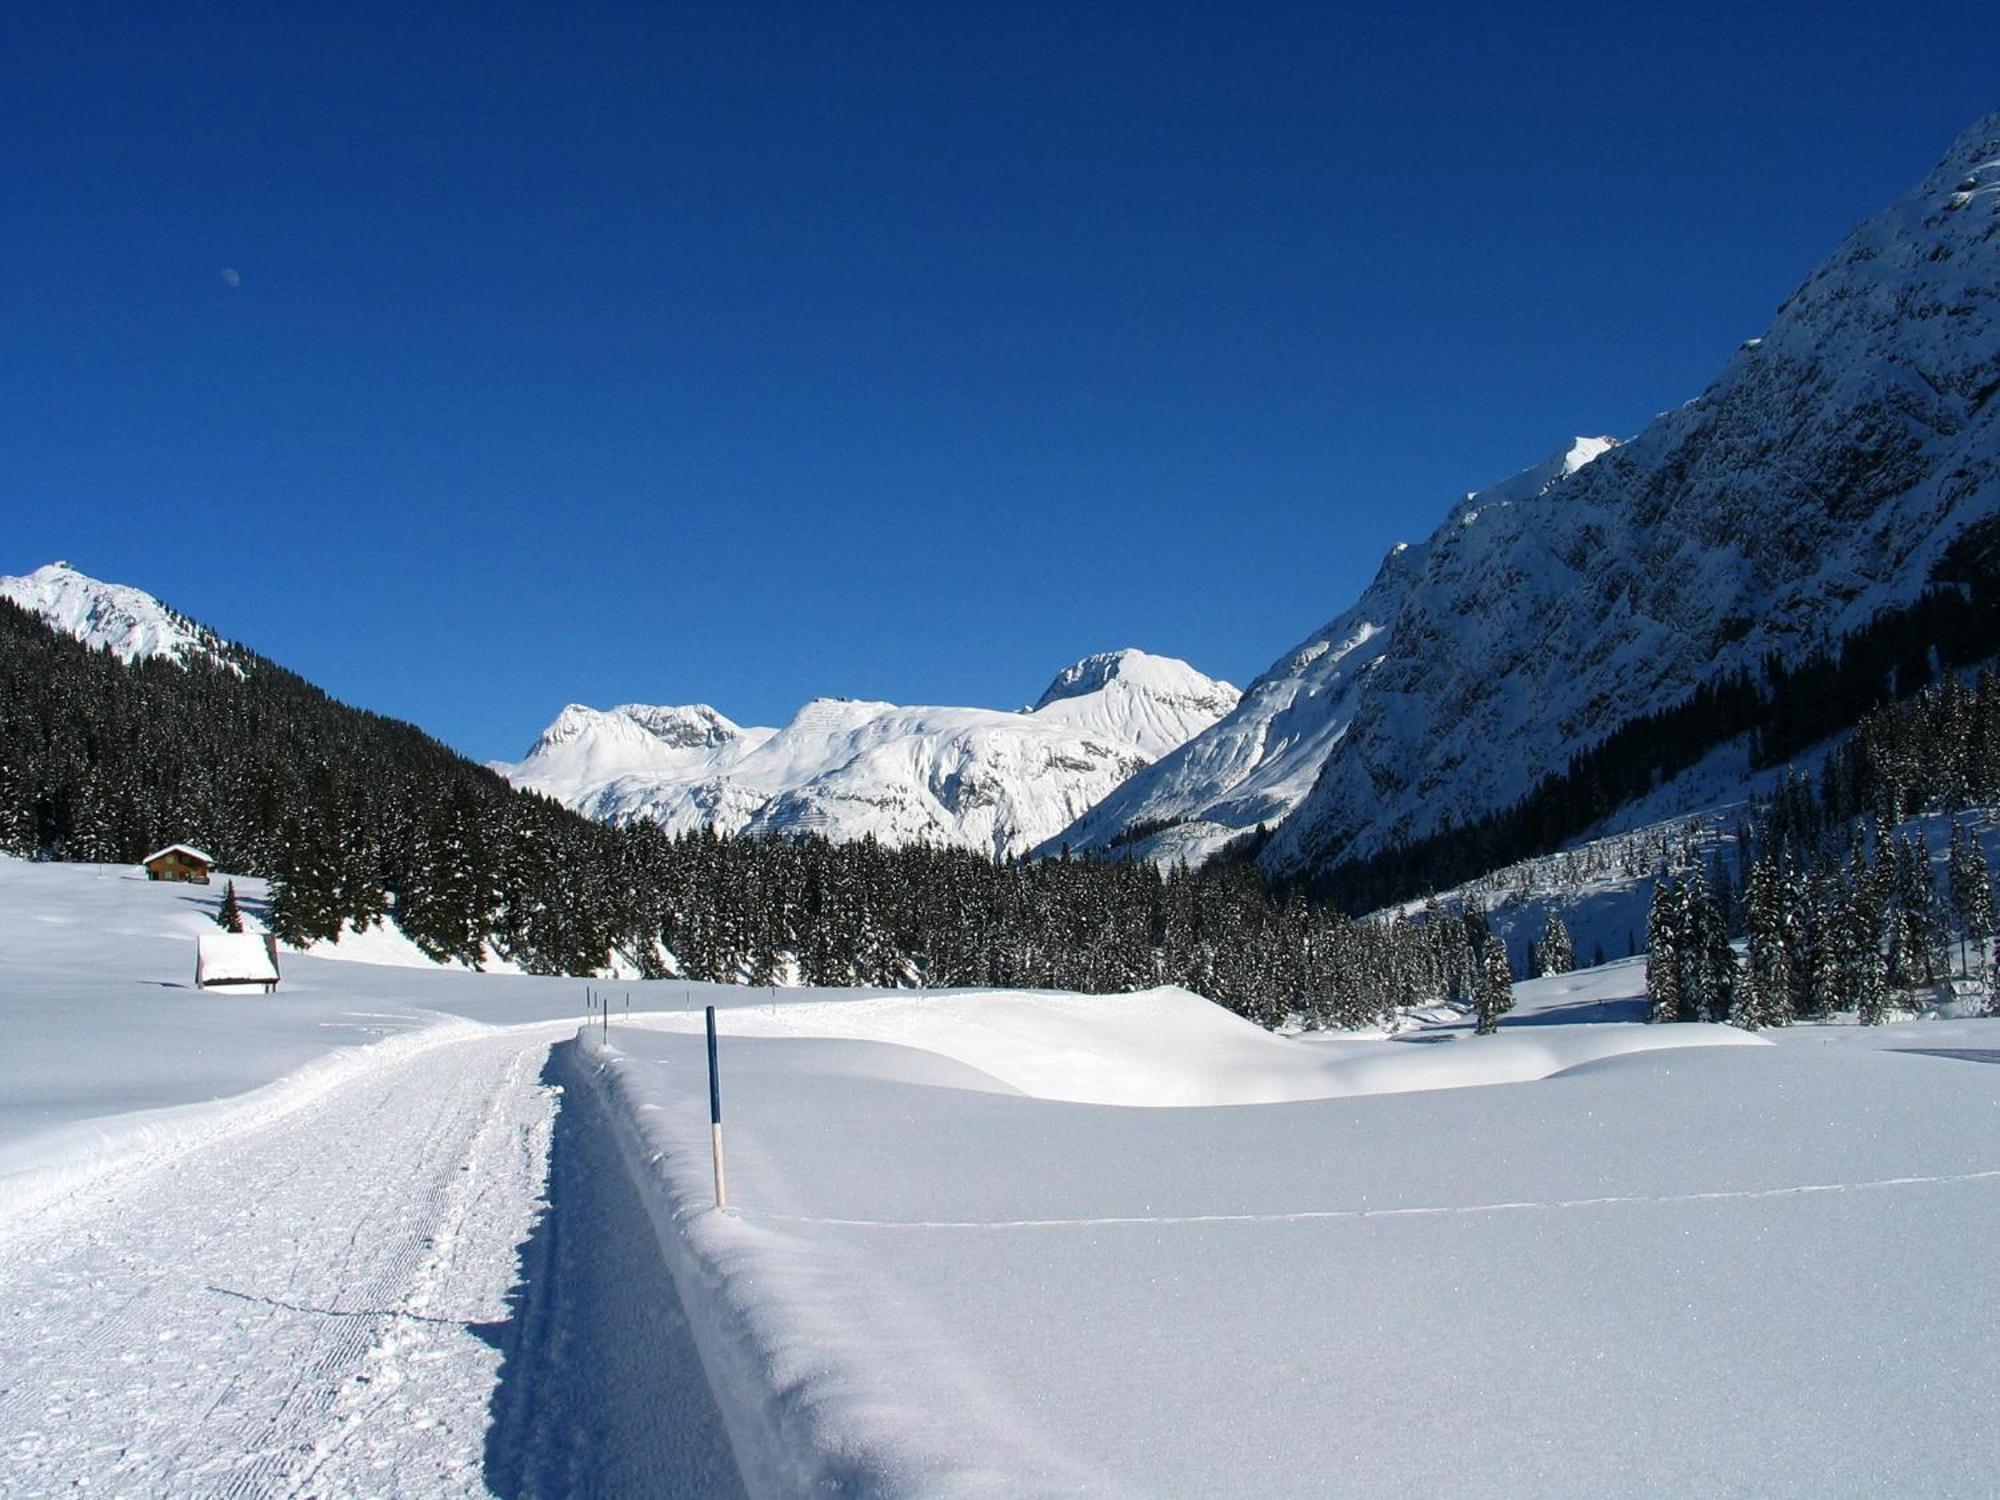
(715, 1114)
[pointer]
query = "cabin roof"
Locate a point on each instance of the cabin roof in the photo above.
(233, 958)
(188, 849)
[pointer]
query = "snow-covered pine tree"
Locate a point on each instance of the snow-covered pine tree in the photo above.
(1764, 996)
(1554, 952)
(1831, 958)
(1930, 921)
(1867, 981)
(1663, 957)
(1496, 991)
(1979, 915)
(1712, 959)
(1971, 895)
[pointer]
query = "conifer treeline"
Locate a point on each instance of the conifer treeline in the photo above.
(1839, 911)
(1784, 709)
(357, 818)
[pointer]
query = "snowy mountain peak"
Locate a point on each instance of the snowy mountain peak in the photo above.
(1163, 676)
(128, 622)
(1085, 676)
(1537, 479)
(1584, 449)
(1151, 703)
(694, 725)
(845, 767)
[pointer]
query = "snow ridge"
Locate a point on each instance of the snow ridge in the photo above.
(129, 623)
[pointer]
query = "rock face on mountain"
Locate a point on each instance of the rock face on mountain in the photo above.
(1823, 475)
(982, 778)
(130, 623)
(1259, 763)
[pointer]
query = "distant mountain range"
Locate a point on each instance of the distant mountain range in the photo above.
(980, 778)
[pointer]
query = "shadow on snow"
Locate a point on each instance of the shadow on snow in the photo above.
(601, 1389)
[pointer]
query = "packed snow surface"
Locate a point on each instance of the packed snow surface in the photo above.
(391, 1230)
(981, 778)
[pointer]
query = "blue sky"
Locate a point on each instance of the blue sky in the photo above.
(741, 353)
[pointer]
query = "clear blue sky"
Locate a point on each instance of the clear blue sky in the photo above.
(741, 353)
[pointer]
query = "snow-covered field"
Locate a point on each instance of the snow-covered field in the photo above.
(978, 1244)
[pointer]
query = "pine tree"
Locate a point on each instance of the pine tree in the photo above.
(230, 917)
(1764, 998)
(1496, 992)
(1663, 957)
(1868, 980)
(1554, 953)
(1708, 956)
(1971, 895)
(1980, 916)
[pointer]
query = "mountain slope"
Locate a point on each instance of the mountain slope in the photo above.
(129, 623)
(973, 777)
(1259, 762)
(1840, 465)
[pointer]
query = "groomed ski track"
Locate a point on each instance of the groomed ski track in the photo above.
(428, 1279)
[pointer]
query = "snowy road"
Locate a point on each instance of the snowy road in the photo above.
(324, 1301)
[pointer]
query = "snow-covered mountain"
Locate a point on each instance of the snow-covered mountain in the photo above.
(1152, 703)
(1260, 761)
(128, 622)
(978, 777)
(1821, 477)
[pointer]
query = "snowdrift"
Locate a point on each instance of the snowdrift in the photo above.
(1168, 1047)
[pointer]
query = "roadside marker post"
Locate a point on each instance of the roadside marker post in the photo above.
(715, 1114)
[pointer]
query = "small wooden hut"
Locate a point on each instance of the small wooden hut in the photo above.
(178, 862)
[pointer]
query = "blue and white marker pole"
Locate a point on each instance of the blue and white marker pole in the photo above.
(715, 1114)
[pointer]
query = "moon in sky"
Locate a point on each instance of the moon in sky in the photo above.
(231, 278)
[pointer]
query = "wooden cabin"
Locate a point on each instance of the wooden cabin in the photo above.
(178, 862)
(236, 961)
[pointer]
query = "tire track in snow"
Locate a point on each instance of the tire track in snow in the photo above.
(1310, 1215)
(355, 1350)
(266, 1311)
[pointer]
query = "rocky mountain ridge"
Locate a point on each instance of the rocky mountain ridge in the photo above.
(1834, 468)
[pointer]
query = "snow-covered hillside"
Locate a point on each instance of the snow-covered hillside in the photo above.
(128, 622)
(981, 778)
(1824, 474)
(1258, 763)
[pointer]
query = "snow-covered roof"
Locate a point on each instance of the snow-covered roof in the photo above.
(188, 849)
(234, 958)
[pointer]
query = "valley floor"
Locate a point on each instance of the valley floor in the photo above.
(981, 1244)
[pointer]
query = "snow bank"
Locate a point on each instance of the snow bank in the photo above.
(928, 1285)
(1168, 1047)
(765, 1308)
